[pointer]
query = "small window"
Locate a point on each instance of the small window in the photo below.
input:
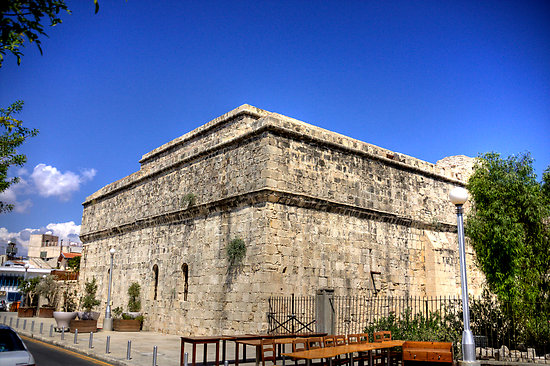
(185, 270)
(156, 283)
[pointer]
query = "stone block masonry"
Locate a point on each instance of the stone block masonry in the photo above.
(315, 210)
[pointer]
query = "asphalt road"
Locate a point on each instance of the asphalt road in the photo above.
(46, 354)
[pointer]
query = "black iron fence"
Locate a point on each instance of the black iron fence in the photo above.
(500, 331)
(291, 314)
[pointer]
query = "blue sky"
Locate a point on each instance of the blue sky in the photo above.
(428, 79)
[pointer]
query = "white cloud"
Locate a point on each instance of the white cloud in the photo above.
(88, 174)
(49, 181)
(10, 196)
(66, 231)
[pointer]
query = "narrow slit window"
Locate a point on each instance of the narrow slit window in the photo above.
(156, 284)
(185, 271)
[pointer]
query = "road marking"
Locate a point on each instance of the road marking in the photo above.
(72, 353)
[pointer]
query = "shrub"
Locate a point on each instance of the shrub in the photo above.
(134, 303)
(89, 300)
(236, 251)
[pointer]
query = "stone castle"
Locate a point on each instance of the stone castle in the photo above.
(315, 210)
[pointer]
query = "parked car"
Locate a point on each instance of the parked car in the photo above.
(3, 305)
(12, 349)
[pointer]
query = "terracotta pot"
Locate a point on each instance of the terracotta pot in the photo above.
(62, 318)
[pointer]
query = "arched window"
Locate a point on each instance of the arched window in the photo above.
(185, 270)
(156, 283)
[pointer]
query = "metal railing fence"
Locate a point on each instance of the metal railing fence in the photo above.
(501, 332)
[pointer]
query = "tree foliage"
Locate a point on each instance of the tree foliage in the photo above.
(13, 135)
(74, 264)
(28, 288)
(47, 288)
(134, 302)
(22, 19)
(509, 229)
(89, 300)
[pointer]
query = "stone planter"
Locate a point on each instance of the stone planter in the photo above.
(26, 312)
(62, 318)
(127, 325)
(45, 312)
(83, 326)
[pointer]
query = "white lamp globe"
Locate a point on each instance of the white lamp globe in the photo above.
(112, 251)
(27, 266)
(458, 196)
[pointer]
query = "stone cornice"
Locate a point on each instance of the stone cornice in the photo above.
(269, 127)
(258, 198)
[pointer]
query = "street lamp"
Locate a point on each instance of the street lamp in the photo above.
(458, 197)
(25, 278)
(108, 321)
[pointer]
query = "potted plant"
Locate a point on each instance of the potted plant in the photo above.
(68, 312)
(47, 288)
(28, 292)
(88, 319)
(132, 320)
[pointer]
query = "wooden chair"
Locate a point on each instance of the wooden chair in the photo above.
(328, 341)
(267, 350)
(299, 344)
(382, 336)
(314, 342)
(340, 340)
(356, 339)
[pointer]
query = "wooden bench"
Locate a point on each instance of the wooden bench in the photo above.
(427, 352)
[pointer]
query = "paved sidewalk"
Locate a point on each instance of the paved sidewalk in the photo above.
(168, 346)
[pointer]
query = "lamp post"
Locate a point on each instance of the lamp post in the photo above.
(458, 197)
(25, 278)
(108, 321)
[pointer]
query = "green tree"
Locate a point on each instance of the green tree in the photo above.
(509, 229)
(74, 263)
(27, 288)
(23, 18)
(89, 300)
(13, 135)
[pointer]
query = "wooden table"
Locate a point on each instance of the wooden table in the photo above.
(330, 352)
(255, 339)
(200, 340)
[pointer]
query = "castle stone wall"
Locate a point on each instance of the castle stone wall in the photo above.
(315, 209)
